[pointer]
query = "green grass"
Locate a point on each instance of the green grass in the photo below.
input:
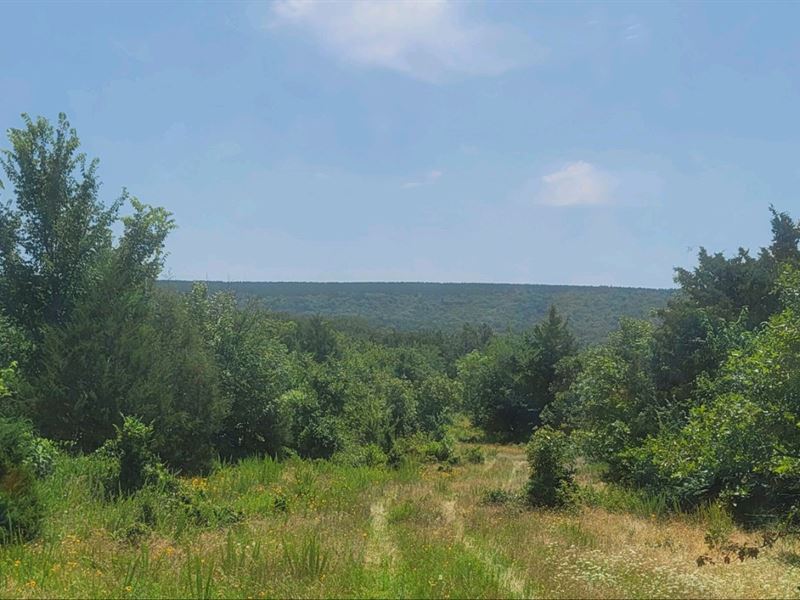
(263, 528)
(623, 500)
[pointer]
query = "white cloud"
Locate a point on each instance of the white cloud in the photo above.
(429, 179)
(430, 40)
(577, 183)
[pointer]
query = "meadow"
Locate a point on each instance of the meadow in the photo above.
(305, 529)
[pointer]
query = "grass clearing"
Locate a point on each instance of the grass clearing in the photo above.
(316, 529)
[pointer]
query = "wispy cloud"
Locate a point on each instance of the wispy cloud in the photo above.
(430, 178)
(577, 183)
(432, 40)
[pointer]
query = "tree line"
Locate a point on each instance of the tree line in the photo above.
(87, 338)
(702, 404)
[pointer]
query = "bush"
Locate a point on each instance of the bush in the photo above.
(370, 455)
(443, 451)
(314, 433)
(20, 503)
(127, 463)
(498, 496)
(475, 455)
(551, 482)
(41, 455)
(437, 400)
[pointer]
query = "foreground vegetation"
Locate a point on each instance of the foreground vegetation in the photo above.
(319, 529)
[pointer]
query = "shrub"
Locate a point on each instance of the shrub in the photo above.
(314, 432)
(475, 455)
(497, 496)
(463, 430)
(369, 455)
(20, 503)
(551, 482)
(127, 463)
(41, 455)
(442, 451)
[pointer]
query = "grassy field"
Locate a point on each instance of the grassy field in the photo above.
(314, 529)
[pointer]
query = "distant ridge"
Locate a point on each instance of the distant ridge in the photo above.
(594, 311)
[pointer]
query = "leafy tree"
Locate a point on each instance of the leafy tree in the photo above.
(742, 442)
(314, 431)
(255, 370)
(717, 292)
(785, 247)
(84, 300)
(56, 232)
(401, 401)
(438, 402)
(6, 376)
(507, 387)
(493, 396)
(614, 395)
(15, 346)
(316, 336)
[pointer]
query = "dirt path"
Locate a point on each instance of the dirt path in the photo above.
(516, 469)
(507, 577)
(380, 549)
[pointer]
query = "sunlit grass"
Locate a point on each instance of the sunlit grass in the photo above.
(264, 528)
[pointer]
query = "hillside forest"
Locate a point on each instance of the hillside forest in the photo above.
(593, 311)
(139, 417)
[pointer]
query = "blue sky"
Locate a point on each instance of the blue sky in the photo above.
(499, 142)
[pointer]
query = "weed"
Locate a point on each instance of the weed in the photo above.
(498, 496)
(475, 455)
(306, 559)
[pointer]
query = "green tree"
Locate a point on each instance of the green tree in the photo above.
(551, 480)
(742, 441)
(316, 336)
(84, 300)
(255, 369)
(438, 401)
(545, 347)
(507, 387)
(56, 232)
(614, 396)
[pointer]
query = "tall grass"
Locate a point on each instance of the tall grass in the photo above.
(305, 559)
(625, 500)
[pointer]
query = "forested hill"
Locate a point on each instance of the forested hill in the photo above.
(593, 311)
